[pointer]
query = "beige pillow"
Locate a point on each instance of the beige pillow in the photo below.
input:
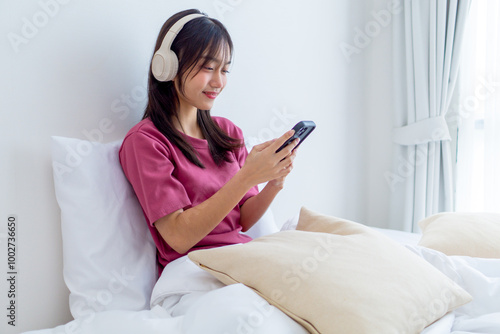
(469, 234)
(350, 280)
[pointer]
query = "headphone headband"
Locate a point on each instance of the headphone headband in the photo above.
(165, 63)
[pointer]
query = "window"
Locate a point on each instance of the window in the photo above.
(477, 111)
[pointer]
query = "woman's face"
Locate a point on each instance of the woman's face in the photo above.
(204, 83)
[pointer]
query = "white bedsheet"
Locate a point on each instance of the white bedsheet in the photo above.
(188, 300)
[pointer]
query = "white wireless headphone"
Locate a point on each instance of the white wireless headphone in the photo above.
(165, 63)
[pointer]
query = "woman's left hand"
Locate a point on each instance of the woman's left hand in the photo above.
(254, 207)
(280, 181)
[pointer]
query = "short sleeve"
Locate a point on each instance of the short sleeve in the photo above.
(148, 166)
(241, 154)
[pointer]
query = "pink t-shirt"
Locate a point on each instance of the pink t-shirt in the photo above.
(165, 181)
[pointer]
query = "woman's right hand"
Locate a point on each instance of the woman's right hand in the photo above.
(264, 164)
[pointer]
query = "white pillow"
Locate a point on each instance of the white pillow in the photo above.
(109, 254)
(264, 226)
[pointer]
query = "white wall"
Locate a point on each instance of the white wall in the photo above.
(86, 63)
(379, 107)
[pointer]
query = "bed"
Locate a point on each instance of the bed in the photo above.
(315, 274)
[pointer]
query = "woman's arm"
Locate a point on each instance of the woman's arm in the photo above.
(183, 229)
(255, 207)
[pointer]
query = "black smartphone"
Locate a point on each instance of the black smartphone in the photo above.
(302, 130)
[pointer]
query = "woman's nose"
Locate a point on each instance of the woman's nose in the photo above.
(217, 80)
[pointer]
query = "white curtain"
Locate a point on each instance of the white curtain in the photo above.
(427, 42)
(477, 112)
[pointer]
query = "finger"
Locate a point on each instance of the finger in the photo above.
(288, 150)
(281, 140)
(285, 171)
(286, 164)
(263, 145)
(287, 160)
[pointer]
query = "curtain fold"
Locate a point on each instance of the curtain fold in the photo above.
(422, 180)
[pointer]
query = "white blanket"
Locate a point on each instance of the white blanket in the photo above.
(208, 306)
(188, 300)
(479, 277)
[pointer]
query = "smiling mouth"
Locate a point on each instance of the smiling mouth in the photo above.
(211, 95)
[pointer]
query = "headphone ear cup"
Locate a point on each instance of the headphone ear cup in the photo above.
(157, 66)
(165, 65)
(171, 66)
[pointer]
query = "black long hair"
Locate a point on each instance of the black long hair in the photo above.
(200, 37)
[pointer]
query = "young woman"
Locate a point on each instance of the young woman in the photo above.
(194, 179)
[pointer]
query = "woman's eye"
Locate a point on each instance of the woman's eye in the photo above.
(209, 68)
